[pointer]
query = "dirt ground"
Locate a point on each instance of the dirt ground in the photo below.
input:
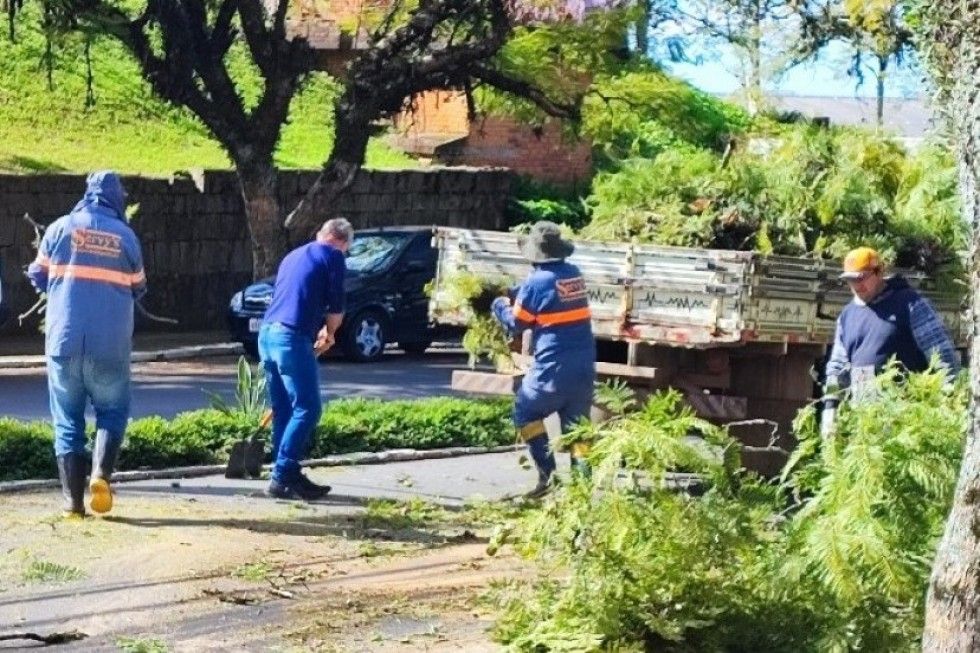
(170, 572)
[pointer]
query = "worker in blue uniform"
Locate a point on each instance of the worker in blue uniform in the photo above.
(553, 303)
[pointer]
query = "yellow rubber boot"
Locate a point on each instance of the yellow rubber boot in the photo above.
(101, 499)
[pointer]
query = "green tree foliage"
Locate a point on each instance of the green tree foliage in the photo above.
(805, 191)
(641, 113)
(628, 564)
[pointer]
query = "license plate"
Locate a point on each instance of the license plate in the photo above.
(254, 324)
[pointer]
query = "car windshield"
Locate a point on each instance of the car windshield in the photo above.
(372, 252)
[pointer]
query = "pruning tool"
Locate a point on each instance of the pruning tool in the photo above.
(245, 458)
(828, 416)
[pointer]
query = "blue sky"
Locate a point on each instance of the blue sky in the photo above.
(825, 77)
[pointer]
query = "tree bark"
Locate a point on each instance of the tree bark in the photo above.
(952, 620)
(643, 28)
(259, 185)
(880, 108)
(754, 90)
(353, 128)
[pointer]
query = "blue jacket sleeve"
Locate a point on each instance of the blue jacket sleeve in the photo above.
(134, 260)
(931, 337)
(337, 270)
(37, 271)
(521, 315)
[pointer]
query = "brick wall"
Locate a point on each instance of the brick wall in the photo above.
(194, 236)
(434, 112)
(543, 153)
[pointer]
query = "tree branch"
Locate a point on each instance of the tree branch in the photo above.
(521, 88)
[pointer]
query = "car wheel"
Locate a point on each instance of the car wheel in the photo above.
(365, 337)
(415, 348)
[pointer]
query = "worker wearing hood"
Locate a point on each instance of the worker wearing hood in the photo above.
(90, 265)
(553, 303)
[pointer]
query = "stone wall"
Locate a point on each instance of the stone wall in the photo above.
(193, 231)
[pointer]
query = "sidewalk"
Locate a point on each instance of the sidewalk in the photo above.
(28, 350)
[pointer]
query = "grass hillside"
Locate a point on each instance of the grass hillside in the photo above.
(48, 128)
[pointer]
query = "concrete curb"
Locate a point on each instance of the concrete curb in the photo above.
(358, 458)
(160, 355)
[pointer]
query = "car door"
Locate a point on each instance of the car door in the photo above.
(415, 269)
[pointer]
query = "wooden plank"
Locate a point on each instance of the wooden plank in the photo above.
(626, 371)
(603, 368)
(485, 383)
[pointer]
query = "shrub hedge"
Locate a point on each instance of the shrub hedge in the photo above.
(202, 437)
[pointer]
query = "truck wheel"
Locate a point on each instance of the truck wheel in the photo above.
(365, 337)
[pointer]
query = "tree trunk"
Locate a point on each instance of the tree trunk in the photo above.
(953, 604)
(754, 90)
(880, 109)
(643, 29)
(352, 133)
(264, 216)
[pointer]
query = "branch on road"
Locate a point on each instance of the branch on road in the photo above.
(49, 640)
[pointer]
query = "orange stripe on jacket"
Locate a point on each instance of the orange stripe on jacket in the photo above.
(42, 260)
(92, 273)
(523, 314)
(564, 317)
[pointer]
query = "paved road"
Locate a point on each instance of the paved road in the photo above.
(169, 388)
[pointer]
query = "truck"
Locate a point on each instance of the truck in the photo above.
(741, 334)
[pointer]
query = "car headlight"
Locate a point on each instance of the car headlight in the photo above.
(236, 302)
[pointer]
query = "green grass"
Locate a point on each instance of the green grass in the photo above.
(254, 572)
(46, 129)
(141, 645)
(42, 571)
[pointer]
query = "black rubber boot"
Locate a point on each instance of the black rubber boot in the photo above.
(545, 483)
(104, 454)
(72, 469)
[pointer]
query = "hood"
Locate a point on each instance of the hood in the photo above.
(896, 282)
(893, 284)
(105, 189)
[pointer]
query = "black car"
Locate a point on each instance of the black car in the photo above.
(387, 270)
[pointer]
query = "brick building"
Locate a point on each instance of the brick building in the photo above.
(438, 128)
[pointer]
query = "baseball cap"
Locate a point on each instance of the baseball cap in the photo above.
(859, 262)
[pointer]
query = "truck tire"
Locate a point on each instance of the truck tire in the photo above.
(365, 337)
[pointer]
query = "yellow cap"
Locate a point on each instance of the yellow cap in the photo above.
(860, 261)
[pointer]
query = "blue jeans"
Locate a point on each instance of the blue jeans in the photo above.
(292, 378)
(72, 382)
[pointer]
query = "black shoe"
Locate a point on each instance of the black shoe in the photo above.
(278, 490)
(302, 488)
(309, 490)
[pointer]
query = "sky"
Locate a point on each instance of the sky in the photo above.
(827, 76)
(824, 78)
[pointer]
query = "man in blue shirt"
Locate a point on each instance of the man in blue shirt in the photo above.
(552, 303)
(90, 265)
(887, 318)
(309, 285)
